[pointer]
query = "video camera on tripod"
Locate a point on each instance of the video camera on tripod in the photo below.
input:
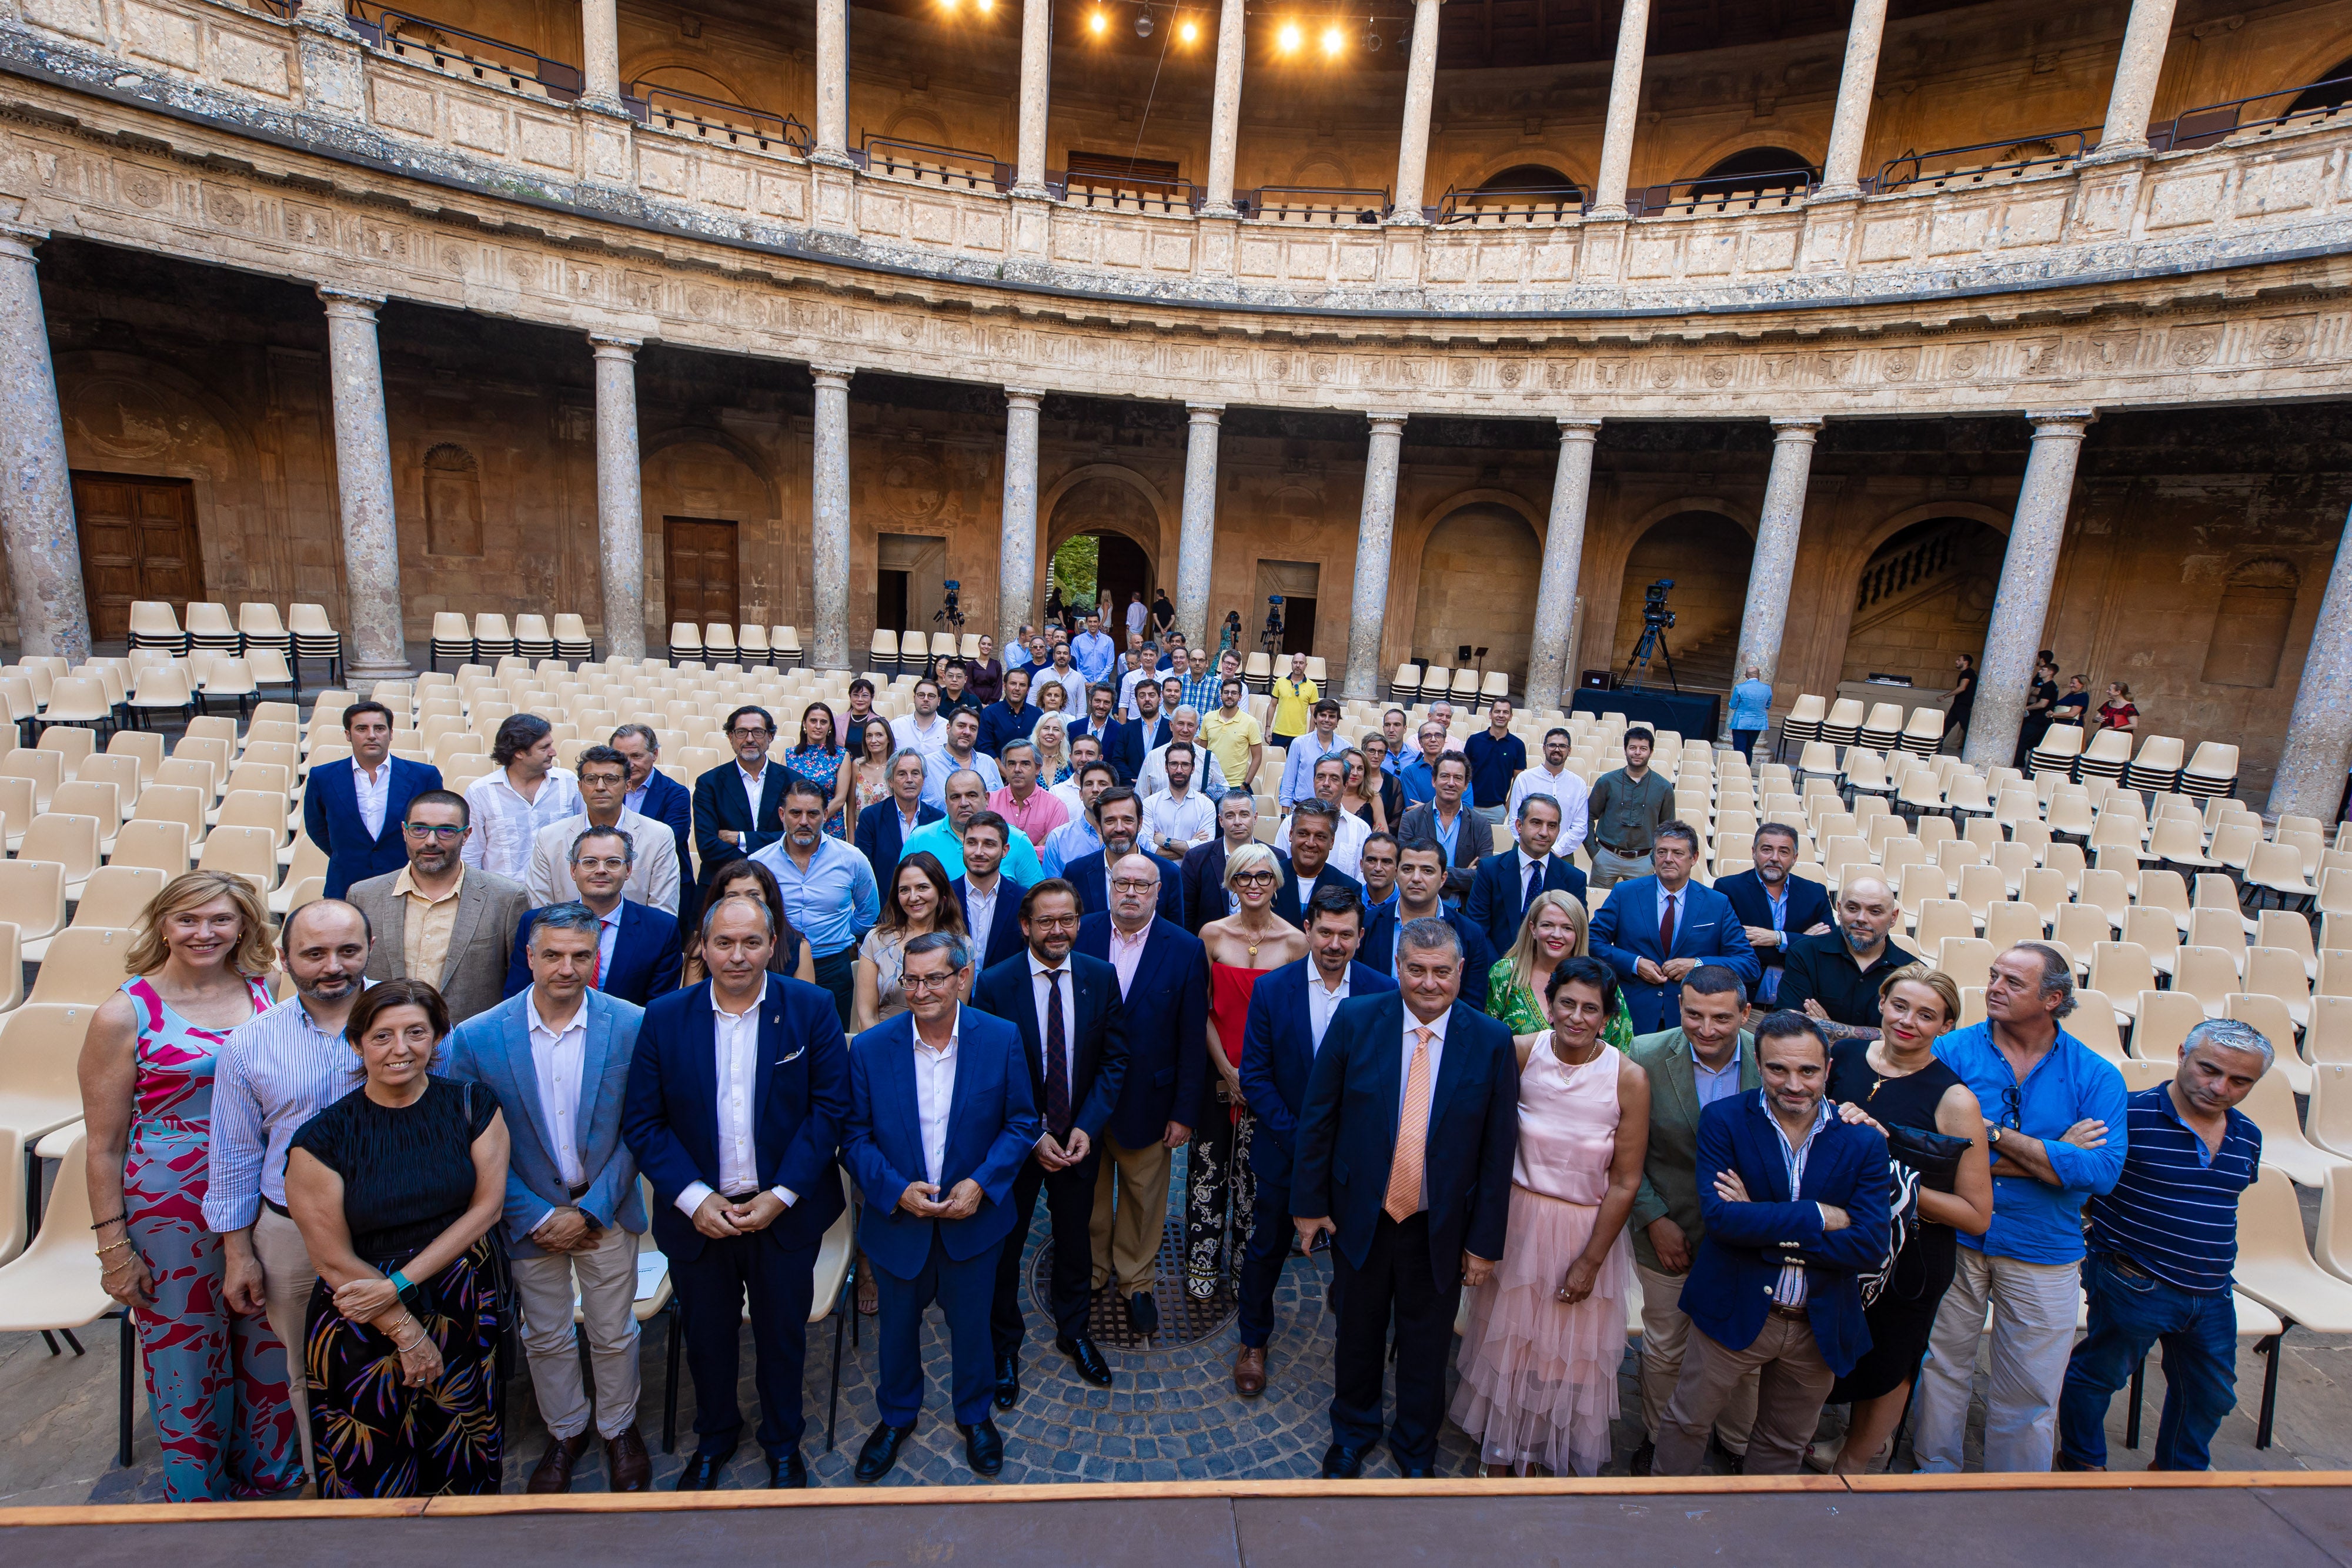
(1655, 619)
(950, 614)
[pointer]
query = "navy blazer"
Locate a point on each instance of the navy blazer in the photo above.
(1378, 950)
(879, 839)
(720, 805)
(1097, 1035)
(330, 816)
(1347, 1129)
(1202, 877)
(1167, 1011)
(1002, 938)
(670, 803)
(1625, 930)
(1808, 907)
(1739, 1259)
(999, 723)
(1135, 741)
(1498, 894)
(644, 963)
(991, 1127)
(670, 1119)
(1090, 877)
(1279, 1057)
(1290, 899)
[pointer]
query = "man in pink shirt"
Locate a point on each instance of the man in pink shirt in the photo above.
(1035, 811)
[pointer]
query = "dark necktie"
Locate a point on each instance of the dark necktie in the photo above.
(1666, 930)
(1535, 885)
(1058, 1066)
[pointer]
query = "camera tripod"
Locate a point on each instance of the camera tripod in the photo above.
(1653, 641)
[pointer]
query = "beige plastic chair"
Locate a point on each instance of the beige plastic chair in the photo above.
(2329, 1036)
(2164, 1022)
(2267, 1016)
(45, 769)
(83, 965)
(70, 842)
(2276, 1268)
(99, 803)
(2278, 869)
(33, 891)
(2121, 970)
(53, 1286)
(2271, 1103)
(2221, 928)
(116, 896)
(248, 852)
(2276, 928)
(123, 772)
(2278, 972)
(143, 749)
(40, 1050)
(1941, 918)
(2009, 922)
(2206, 974)
(181, 803)
(2153, 929)
(1969, 956)
(162, 846)
(73, 745)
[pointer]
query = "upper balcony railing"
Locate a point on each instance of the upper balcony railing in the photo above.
(950, 167)
(672, 109)
(1522, 208)
(1126, 192)
(1717, 196)
(453, 51)
(1958, 168)
(1329, 206)
(2316, 103)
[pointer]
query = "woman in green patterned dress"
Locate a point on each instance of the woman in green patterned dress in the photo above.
(1553, 931)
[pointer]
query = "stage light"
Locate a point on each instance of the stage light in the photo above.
(1333, 41)
(1189, 31)
(1288, 39)
(984, 6)
(1143, 22)
(1097, 24)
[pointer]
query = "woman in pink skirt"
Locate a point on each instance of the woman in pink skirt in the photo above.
(1546, 1334)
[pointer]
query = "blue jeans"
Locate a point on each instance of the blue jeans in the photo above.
(2200, 1335)
(1743, 741)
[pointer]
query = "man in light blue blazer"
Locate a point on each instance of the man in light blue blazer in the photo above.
(557, 1058)
(1656, 929)
(941, 1119)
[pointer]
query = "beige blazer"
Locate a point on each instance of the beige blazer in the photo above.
(473, 977)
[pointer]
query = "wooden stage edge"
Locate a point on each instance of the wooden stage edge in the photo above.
(1145, 1491)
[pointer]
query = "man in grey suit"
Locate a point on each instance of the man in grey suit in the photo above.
(1690, 1068)
(437, 920)
(557, 1058)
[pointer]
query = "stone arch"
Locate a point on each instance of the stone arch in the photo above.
(1474, 583)
(695, 73)
(1922, 594)
(2339, 64)
(1147, 525)
(2251, 622)
(1840, 576)
(1734, 173)
(1609, 560)
(917, 125)
(699, 471)
(1322, 169)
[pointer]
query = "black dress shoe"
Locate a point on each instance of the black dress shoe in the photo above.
(1416, 1472)
(881, 1450)
(1008, 1382)
(1088, 1358)
(1341, 1463)
(788, 1470)
(1143, 1312)
(1643, 1458)
(983, 1446)
(703, 1469)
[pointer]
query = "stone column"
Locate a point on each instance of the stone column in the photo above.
(378, 644)
(1375, 531)
(1196, 548)
(600, 44)
(1420, 91)
(1842, 168)
(1036, 74)
(620, 505)
(2022, 601)
(2137, 70)
(329, 55)
(37, 513)
(829, 516)
(1225, 112)
(1016, 551)
(1625, 102)
(831, 84)
(1564, 558)
(1773, 567)
(2310, 779)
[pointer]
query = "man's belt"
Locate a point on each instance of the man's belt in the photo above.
(578, 1192)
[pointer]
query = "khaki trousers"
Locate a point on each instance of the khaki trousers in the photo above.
(1666, 1335)
(286, 1277)
(1128, 1226)
(1610, 868)
(608, 1294)
(1791, 1382)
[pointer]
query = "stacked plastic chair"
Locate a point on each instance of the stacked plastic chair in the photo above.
(209, 627)
(258, 626)
(493, 639)
(1802, 724)
(154, 624)
(571, 639)
(315, 638)
(2212, 771)
(1843, 727)
(532, 640)
(2058, 750)
(453, 638)
(2157, 768)
(1883, 728)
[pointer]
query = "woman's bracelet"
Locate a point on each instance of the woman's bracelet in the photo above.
(399, 1282)
(117, 1220)
(113, 1245)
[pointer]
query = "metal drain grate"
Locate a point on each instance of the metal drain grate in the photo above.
(1182, 1320)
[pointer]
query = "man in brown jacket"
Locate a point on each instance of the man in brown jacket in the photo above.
(437, 920)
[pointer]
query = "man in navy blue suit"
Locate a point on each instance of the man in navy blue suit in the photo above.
(883, 827)
(1654, 929)
(636, 946)
(1163, 983)
(653, 793)
(1290, 1011)
(1119, 818)
(1136, 738)
(355, 812)
(941, 1122)
(1403, 1158)
(1420, 895)
(1314, 829)
(727, 822)
(1796, 1210)
(1505, 884)
(737, 1097)
(1774, 907)
(1065, 1006)
(990, 900)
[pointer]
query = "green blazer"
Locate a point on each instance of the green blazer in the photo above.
(1669, 1188)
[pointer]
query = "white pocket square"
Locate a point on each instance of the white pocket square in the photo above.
(795, 1056)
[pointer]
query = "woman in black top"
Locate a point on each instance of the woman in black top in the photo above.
(2072, 703)
(983, 678)
(1897, 1080)
(395, 1187)
(1163, 616)
(741, 878)
(1964, 701)
(2039, 699)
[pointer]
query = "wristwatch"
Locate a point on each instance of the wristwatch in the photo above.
(1992, 1135)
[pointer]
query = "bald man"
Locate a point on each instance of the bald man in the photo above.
(1833, 978)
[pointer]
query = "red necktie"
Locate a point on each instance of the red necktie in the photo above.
(1666, 930)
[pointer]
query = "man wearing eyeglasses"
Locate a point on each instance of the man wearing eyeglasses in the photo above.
(739, 805)
(436, 919)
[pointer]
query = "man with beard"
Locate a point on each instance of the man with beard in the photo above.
(1833, 978)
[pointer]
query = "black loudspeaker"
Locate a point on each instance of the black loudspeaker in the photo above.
(1597, 680)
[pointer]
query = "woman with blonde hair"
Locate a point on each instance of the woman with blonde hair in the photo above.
(1553, 931)
(216, 1378)
(1051, 738)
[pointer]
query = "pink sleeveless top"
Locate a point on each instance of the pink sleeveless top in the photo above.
(1568, 1125)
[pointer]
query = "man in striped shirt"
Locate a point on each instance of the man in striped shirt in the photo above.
(2162, 1245)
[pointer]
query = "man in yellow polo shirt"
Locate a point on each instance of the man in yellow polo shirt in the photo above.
(1234, 736)
(1294, 703)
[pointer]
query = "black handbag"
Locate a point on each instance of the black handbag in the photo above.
(1917, 1160)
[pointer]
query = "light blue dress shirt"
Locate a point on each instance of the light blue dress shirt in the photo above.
(833, 901)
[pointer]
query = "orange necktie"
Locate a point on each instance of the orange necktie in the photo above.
(1413, 1133)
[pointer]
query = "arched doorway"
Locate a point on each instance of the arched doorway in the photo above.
(1104, 531)
(1707, 555)
(1477, 590)
(1753, 172)
(1925, 598)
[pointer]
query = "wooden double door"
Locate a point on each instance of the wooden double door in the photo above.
(698, 568)
(138, 537)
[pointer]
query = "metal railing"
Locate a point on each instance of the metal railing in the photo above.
(1126, 192)
(2212, 123)
(1327, 205)
(2011, 159)
(671, 109)
(1525, 206)
(1706, 195)
(953, 167)
(1918, 563)
(426, 41)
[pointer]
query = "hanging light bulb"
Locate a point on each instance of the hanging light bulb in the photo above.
(1189, 30)
(1288, 38)
(1371, 36)
(1097, 23)
(1143, 21)
(1333, 41)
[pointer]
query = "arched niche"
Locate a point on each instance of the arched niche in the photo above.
(1921, 598)
(1477, 586)
(1707, 554)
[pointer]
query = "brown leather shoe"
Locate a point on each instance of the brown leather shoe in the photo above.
(553, 1472)
(1249, 1371)
(626, 1463)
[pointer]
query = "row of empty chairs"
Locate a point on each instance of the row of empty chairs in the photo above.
(1428, 682)
(304, 633)
(489, 636)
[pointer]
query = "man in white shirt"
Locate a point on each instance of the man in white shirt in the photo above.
(1348, 852)
(1184, 724)
(1137, 615)
(958, 753)
(1552, 777)
(1078, 837)
(1179, 816)
(922, 730)
(603, 782)
(1062, 673)
(523, 794)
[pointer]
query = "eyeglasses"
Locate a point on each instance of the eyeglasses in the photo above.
(750, 732)
(927, 982)
(427, 830)
(1133, 884)
(2012, 1106)
(1254, 878)
(1054, 922)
